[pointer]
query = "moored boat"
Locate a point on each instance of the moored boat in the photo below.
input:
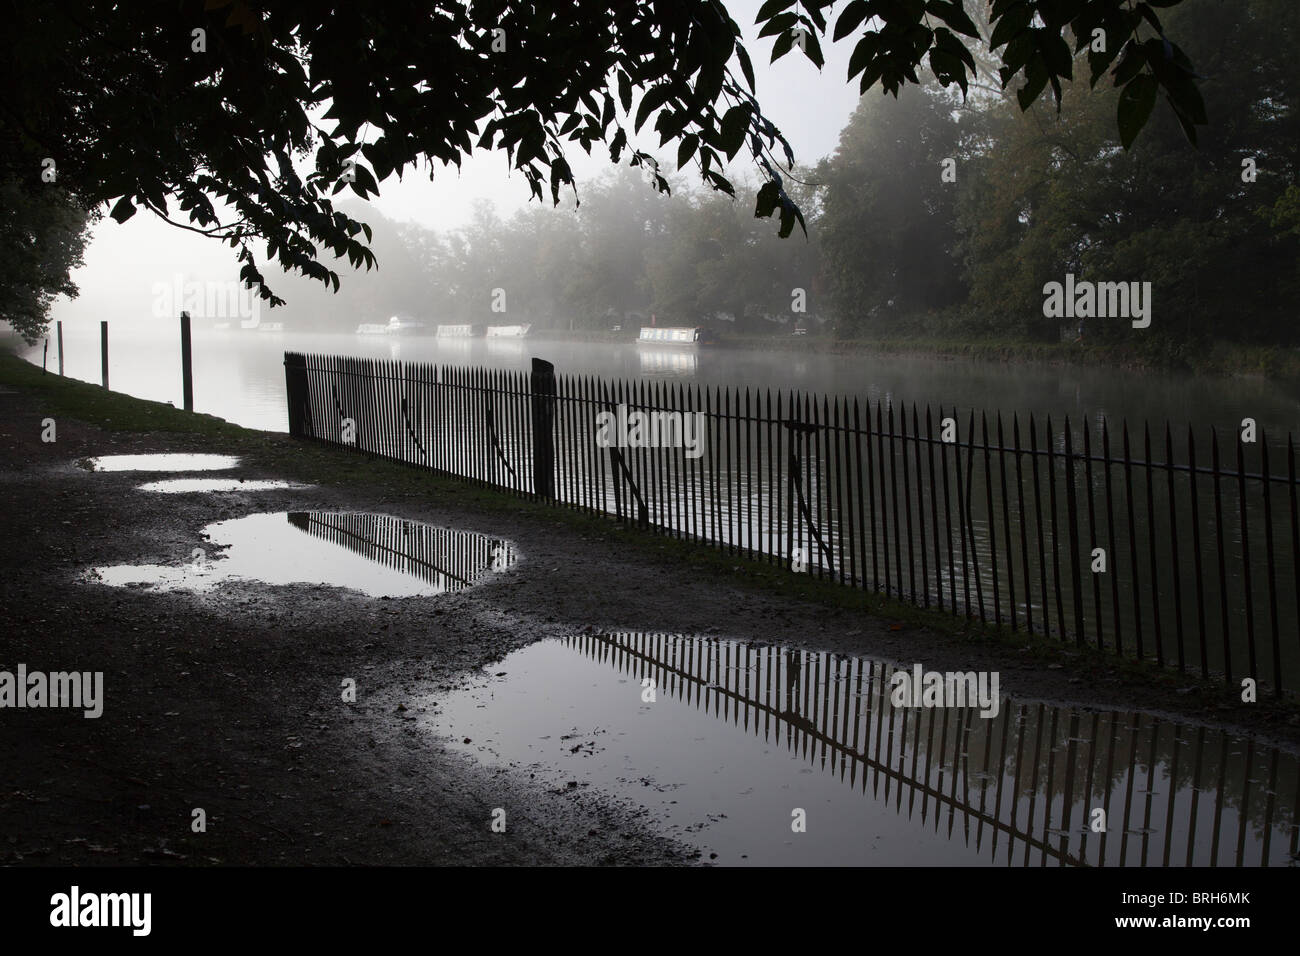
(674, 336)
(508, 331)
(458, 331)
(394, 326)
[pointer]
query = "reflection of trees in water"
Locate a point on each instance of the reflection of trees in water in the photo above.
(449, 560)
(1173, 793)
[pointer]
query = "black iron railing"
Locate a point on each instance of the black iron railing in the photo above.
(1181, 546)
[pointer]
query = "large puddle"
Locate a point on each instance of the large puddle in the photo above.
(740, 738)
(378, 555)
(167, 462)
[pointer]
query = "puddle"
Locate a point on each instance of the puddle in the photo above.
(168, 462)
(378, 555)
(740, 736)
(172, 486)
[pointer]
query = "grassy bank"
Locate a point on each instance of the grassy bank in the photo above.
(329, 465)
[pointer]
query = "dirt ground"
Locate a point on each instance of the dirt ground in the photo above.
(230, 701)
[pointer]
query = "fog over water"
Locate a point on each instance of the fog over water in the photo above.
(239, 375)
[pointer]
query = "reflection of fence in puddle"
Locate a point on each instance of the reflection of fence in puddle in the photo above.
(449, 560)
(1173, 794)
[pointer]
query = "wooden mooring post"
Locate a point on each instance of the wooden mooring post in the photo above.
(187, 368)
(103, 352)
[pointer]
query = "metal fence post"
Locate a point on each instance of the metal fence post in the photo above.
(542, 387)
(295, 389)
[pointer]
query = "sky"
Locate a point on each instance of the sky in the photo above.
(123, 262)
(809, 107)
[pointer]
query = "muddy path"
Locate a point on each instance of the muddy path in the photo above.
(230, 700)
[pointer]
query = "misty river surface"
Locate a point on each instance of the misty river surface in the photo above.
(239, 375)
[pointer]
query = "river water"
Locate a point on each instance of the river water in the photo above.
(239, 375)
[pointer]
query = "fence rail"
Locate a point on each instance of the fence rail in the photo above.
(1176, 545)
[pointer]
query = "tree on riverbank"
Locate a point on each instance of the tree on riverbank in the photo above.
(44, 231)
(888, 232)
(1038, 194)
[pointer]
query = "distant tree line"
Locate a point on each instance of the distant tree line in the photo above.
(626, 254)
(1039, 194)
(939, 216)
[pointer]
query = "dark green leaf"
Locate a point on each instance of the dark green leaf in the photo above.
(746, 67)
(813, 49)
(1135, 103)
(1014, 21)
(654, 98)
(863, 53)
(783, 45)
(851, 18)
(771, 8)
(953, 14)
(123, 209)
(781, 23)
(734, 126)
(1130, 64)
(686, 149)
(1035, 81)
(624, 91)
